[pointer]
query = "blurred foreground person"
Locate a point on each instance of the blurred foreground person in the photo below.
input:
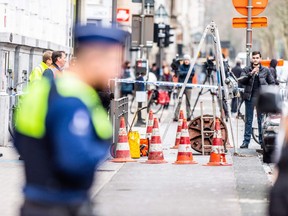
(37, 72)
(62, 128)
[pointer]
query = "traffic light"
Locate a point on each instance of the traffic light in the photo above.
(159, 33)
(167, 41)
(156, 31)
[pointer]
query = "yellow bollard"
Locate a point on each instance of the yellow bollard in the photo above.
(134, 143)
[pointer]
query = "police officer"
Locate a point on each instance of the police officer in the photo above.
(62, 129)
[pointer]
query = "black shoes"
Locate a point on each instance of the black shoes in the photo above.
(244, 146)
(260, 151)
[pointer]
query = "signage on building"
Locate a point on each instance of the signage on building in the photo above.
(123, 15)
(98, 12)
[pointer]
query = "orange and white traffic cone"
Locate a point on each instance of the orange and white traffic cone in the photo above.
(122, 148)
(149, 125)
(185, 155)
(217, 155)
(155, 155)
(178, 134)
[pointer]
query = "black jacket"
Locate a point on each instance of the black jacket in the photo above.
(183, 71)
(247, 79)
(273, 71)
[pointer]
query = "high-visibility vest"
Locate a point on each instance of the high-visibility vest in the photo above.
(37, 72)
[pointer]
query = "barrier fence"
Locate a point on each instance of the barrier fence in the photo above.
(118, 108)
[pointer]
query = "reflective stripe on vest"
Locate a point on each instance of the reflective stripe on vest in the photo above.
(32, 114)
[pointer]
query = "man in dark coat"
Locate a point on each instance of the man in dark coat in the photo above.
(183, 71)
(272, 68)
(254, 77)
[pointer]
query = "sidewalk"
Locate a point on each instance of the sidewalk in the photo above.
(11, 179)
(165, 189)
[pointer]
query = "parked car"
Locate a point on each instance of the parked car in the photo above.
(272, 103)
(270, 130)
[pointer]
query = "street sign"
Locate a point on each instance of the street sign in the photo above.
(257, 22)
(161, 12)
(123, 15)
(258, 6)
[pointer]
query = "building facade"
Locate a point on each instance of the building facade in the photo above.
(27, 28)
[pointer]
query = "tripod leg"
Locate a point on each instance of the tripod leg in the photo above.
(188, 94)
(196, 101)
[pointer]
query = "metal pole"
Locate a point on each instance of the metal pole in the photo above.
(249, 32)
(142, 29)
(114, 12)
(161, 56)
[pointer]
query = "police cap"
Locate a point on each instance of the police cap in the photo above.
(92, 33)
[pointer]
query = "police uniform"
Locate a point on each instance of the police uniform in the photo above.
(62, 133)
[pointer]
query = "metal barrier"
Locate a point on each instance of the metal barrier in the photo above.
(118, 108)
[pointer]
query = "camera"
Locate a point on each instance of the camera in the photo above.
(209, 66)
(175, 65)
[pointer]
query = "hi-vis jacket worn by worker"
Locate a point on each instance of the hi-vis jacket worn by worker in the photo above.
(62, 132)
(37, 72)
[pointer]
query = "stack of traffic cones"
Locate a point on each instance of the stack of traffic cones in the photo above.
(178, 134)
(217, 155)
(122, 148)
(155, 148)
(149, 125)
(185, 155)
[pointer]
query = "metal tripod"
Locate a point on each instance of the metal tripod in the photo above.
(213, 30)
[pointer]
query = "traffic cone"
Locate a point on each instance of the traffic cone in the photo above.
(185, 155)
(149, 125)
(122, 148)
(155, 155)
(217, 155)
(178, 134)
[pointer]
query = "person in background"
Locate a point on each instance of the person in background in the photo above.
(58, 63)
(166, 77)
(126, 88)
(254, 77)
(237, 70)
(183, 71)
(37, 72)
(62, 129)
(273, 71)
(155, 70)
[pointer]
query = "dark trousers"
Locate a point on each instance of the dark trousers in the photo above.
(249, 114)
(234, 105)
(30, 208)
